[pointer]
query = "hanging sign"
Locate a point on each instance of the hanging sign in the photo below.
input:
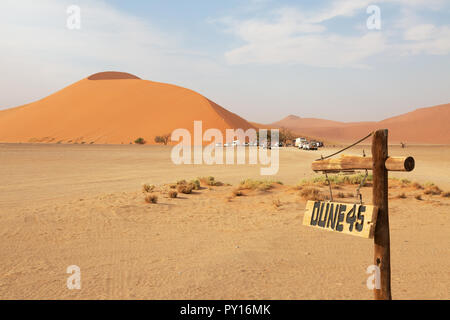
(354, 219)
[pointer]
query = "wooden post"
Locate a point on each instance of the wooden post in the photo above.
(382, 255)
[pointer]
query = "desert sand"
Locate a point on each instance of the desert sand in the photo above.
(113, 108)
(422, 126)
(83, 205)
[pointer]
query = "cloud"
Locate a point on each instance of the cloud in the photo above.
(312, 50)
(40, 53)
(288, 35)
(427, 39)
(294, 37)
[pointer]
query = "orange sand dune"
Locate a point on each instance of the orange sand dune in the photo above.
(426, 125)
(113, 108)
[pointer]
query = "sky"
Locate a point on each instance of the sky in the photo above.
(347, 60)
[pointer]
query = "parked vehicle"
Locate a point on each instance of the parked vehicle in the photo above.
(277, 145)
(309, 146)
(300, 141)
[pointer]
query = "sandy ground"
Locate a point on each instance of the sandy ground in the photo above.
(82, 205)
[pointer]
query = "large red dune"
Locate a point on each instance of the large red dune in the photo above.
(113, 108)
(423, 126)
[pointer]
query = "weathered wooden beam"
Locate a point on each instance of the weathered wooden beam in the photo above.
(382, 255)
(345, 163)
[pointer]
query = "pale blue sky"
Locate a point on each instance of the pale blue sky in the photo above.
(262, 59)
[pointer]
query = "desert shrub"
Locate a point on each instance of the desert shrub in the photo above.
(417, 186)
(432, 190)
(350, 195)
(185, 188)
(405, 181)
(151, 198)
(356, 179)
(341, 195)
(312, 194)
(336, 179)
(196, 184)
(276, 203)
(446, 194)
(172, 185)
(140, 141)
(162, 139)
(209, 181)
(237, 193)
(261, 185)
(148, 187)
(181, 182)
(418, 197)
(401, 196)
(172, 194)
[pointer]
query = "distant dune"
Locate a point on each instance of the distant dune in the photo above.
(113, 108)
(422, 126)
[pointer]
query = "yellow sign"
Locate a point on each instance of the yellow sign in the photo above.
(354, 219)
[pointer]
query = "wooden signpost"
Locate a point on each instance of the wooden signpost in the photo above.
(358, 219)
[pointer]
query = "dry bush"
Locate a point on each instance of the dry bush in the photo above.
(148, 188)
(261, 185)
(350, 195)
(196, 184)
(312, 194)
(172, 185)
(418, 197)
(140, 141)
(172, 194)
(417, 186)
(432, 189)
(341, 195)
(151, 198)
(163, 139)
(336, 180)
(446, 194)
(276, 203)
(401, 196)
(209, 181)
(237, 193)
(185, 188)
(405, 183)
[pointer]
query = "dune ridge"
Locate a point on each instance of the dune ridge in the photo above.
(422, 126)
(116, 110)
